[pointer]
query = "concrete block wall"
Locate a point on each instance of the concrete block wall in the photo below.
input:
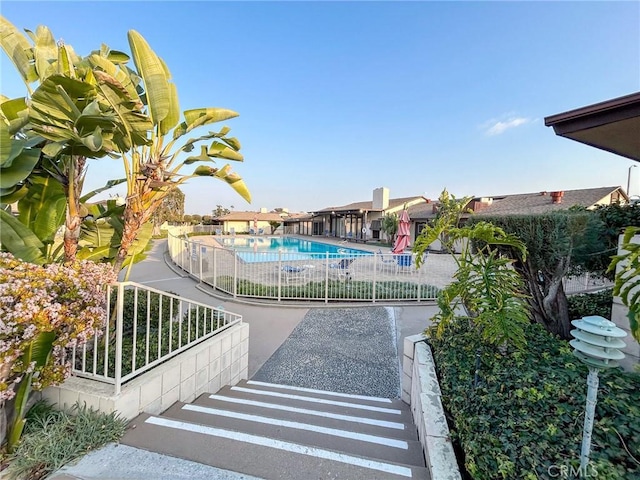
(421, 390)
(221, 360)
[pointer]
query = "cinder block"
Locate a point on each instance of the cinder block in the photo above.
(225, 360)
(188, 389)
(170, 378)
(225, 376)
(107, 405)
(187, 367)
(215, 350)
(90, 401)
(214, 384)
(214, 368)
(68, 398)
(202, 359)
(435, 420)
(169, 398)
(236, 337)
(225, 343)
(236, 352)
(235, 369)
(202, 377)
(154, 407)
(245, 332)
(407, 366)
(52, 395)
(150, 391)
(441, 459)
(129, 403)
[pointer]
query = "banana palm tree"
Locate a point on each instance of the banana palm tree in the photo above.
(96, 106)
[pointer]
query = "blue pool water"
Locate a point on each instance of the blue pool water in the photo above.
(272, 249)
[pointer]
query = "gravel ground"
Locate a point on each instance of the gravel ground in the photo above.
(349, 350)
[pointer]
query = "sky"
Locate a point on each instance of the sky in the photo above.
(338, 98)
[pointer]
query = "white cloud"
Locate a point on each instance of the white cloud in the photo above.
(498, 127)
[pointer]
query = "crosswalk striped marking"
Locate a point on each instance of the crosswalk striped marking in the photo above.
(323, 392)
(282, 445)
(388, 442)
(318, 400)
(306, 411)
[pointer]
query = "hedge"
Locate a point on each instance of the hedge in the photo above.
(524, 419)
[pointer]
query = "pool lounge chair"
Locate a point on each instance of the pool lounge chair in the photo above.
(386, 260)
(294, 274)
(341, 269)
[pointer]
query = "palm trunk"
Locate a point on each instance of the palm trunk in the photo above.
(133, 221)
(73, 221)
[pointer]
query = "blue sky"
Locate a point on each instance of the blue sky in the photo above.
(339, 98)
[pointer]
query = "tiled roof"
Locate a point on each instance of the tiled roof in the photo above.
(541, 202)
(264, 217)
(393, 203)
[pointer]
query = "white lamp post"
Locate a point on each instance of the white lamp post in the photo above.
(597, 342)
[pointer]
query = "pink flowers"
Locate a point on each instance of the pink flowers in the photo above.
(69, 300)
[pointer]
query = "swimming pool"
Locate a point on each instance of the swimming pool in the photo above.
(273, 249)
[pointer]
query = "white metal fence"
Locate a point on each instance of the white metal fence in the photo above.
(325, 277)
(145, 327)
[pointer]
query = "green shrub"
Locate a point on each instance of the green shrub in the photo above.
(585, 304)
(53, 438)
(525, 418)
(359, 290)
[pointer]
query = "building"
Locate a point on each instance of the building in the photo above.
(359, 221)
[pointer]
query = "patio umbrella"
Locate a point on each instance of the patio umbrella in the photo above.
(404, 234)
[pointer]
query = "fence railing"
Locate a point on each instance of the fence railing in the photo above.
(585, 283)
(323, 277)
(145, 327)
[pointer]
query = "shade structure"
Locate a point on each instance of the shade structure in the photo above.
(404, 233)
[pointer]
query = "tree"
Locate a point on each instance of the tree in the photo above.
(389, 225)
(96, 106)
(557, 244)
(220, 211)
(170, 210)
(485, 283)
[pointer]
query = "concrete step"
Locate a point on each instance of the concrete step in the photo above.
(258, 455)
(343, 439)
(364, 422)
(396, 411)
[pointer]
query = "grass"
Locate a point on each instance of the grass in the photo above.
(53, 438)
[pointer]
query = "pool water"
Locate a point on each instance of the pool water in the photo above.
(272, 249)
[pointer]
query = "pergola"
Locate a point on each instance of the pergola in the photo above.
(612, 125)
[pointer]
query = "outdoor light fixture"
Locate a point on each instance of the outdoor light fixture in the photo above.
(597, 342)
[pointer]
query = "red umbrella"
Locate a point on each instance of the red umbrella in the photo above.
(404, 233)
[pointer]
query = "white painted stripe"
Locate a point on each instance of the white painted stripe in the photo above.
(322, 392)
(161, 280)
(318, 400)
(281, 445)
(306, 411)
(388, 442)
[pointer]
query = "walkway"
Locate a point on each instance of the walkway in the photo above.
(274, 355)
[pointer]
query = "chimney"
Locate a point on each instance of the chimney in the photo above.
(380, 198)
(556, 197)
(481, 204)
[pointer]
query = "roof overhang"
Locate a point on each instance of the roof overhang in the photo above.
(613, 125)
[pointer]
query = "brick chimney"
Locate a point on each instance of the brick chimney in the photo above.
(556, 197)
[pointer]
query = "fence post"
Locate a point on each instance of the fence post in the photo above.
(279, 275)
(326, 278)
(119, 329)
(235, 275)
(375, 277)
(215, 267)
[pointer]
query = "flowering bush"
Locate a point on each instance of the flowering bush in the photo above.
(67, 302)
